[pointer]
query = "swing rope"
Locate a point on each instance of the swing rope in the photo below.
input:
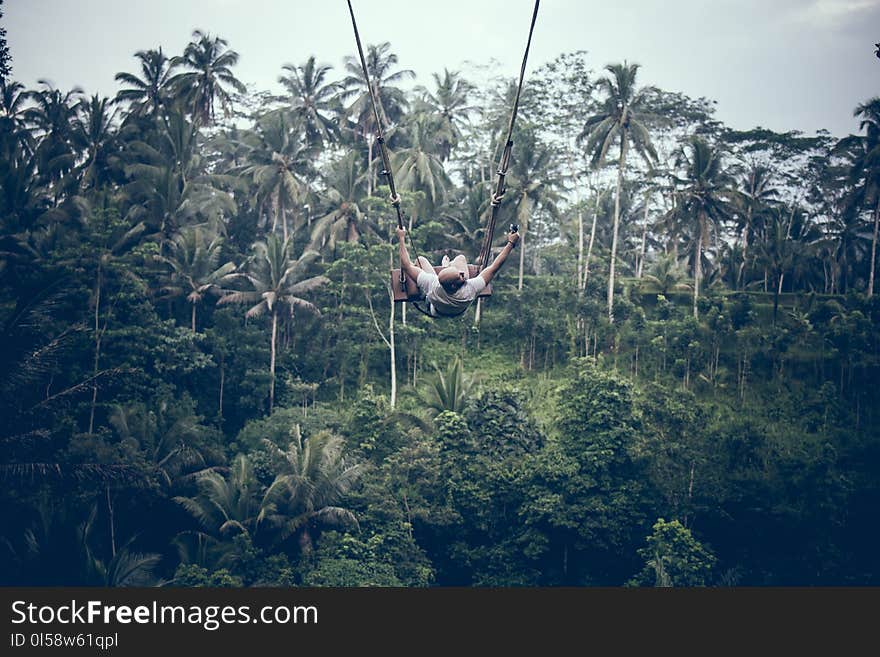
(380, 139)
(500, 187)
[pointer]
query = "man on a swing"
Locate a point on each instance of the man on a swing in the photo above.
(450, 292)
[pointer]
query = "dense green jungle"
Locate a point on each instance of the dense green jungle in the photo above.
(204, 380)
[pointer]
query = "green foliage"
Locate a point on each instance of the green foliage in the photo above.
(501, 425)
(345, 561)
(364, 427)
(449, 389)
(168, 442)
(313, 478)
(400, 500)
(679, 448)
(453, 435)
(551, 432)
(255, 567)
(347, 572)
(191, 575)
(673, 557)
(588, 490)
(227, 506)
(596, 416)
(277, 428)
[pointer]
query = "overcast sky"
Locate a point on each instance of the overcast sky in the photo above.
(782, 64)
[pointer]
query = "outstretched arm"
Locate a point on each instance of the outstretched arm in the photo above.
(405, 263)
(489, 272)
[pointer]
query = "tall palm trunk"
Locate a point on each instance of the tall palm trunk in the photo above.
(194, 317)
(281, 214)
(98, 284)
(874, 249)
(620, 166)
(112, 522)
(776, 294)
(644, 245)
(222, 385)
(393, 355)
(580, 224)
(524, 212)
(698, 262)
(580, 267)
(272, 360)
(390, 340)
(370, 184)
(352, 236)
(592, 241)
(745, 242)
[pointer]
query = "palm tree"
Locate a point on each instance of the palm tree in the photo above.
(450, 105)
(23, 197)
(667, 275)
(278, 164)
(419, 167)
(867, 168)
(210, 78)
(230, 505)
(13, 100)
(125, 566)
(342, 218)
(313, 479)
(95, 133)
(846, 240)
(28, 362)
(704, 197)
(466, 216)
(622, 121)
(193, 257)
(777, 251)
(276, 282)
(114, 243)
(496, 122)
(534, 182)
(166, 186)
(170, 439)
(448, 390)
(597, 205)
(150, 92)
(757, 193)
(391, 100)
(52, 118)
(313, 100)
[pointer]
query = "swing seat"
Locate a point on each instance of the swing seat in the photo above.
(411, 293)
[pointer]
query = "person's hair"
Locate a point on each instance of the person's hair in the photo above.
(450, 284)
(453, 285)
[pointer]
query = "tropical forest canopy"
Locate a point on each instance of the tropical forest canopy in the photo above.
(205, 381)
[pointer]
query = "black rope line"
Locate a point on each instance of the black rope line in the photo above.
(380, 138)
(500, 188)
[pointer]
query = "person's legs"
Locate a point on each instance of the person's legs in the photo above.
(427, 278)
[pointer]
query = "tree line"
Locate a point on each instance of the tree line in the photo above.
(207, 381)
